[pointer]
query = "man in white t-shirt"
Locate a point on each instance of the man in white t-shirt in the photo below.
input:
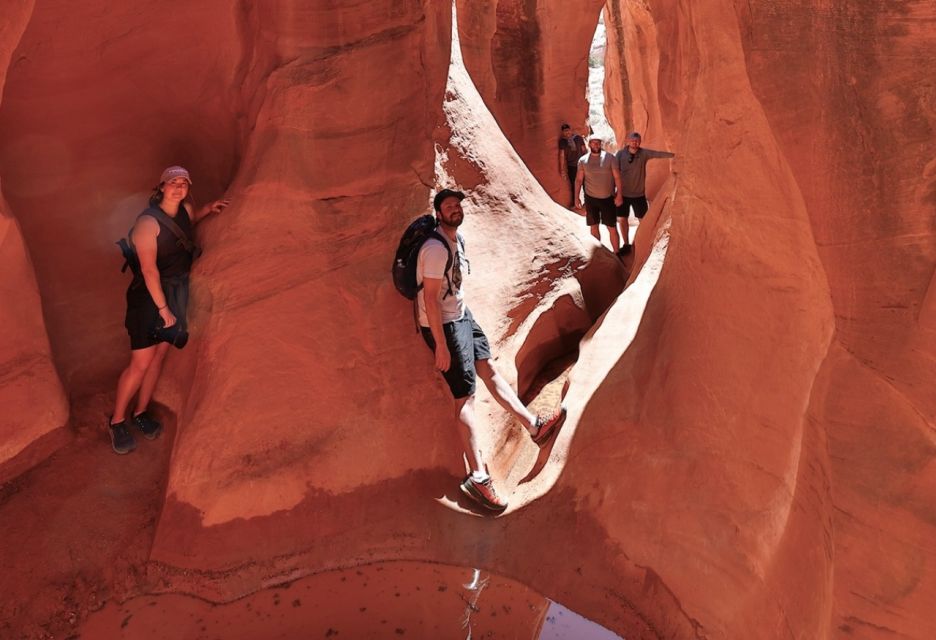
(598, 173)
(462, 351)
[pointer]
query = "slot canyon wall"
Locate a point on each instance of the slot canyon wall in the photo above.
(750, 438)
(33, 402)
(864, 158)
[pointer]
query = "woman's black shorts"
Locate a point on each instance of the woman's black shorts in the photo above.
(142, 317)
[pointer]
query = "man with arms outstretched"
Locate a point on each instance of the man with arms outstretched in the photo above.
(462, 351)
(632, 165)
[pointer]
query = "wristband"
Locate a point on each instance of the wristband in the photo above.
(162, 307)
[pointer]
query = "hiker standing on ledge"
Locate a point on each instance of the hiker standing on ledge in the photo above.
(462, 352)
(632, 165)
(598, 171)
(571, 148)
(162, 240)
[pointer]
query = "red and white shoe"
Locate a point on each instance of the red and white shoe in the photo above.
(483, 493)
(547, 425)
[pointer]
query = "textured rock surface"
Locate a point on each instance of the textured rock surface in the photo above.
(749, 446)
(31, 396)
(845, 89)
(529, 61)
(88, 125)
(866, 164)
(741, 466)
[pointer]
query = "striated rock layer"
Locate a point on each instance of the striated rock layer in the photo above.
(88, 125)
(31, 396)
(530, 63)
(866, 164)
(749, 445)
(845, 91)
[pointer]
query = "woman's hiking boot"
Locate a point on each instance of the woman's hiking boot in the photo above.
(121, 439)
(150, 428)
(482, 492)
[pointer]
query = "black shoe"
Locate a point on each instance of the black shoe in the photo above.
(150, 428)
(623, 251)
(121, 440)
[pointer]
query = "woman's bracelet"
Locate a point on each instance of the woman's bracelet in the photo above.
(162, 307)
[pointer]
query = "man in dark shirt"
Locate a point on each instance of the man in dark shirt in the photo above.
(632, 164)
(571, 148)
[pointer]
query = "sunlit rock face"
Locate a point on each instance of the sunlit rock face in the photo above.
(304, 384)
(748, 449)
(32, 402)
(841, 97)
(530, 62)
(848, 91)
(345, 438)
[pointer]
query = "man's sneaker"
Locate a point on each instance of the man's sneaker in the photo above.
(483, 493)
(121, 440)
(150, 428)
(546, 425)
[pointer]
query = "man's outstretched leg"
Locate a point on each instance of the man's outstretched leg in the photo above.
(539, 427)
(478, 485)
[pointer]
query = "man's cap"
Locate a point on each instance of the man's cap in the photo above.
(442, 195)
(595, 136)
(633, 135)
(175, 172)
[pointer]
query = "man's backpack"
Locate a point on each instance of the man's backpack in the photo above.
(407, 254)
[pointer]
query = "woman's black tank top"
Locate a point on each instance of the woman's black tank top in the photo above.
(172, 259)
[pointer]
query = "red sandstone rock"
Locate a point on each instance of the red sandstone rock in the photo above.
(88, 124)
(857, 132)
(868, 411)
(32, 403)
(530, 63)
(749, 449)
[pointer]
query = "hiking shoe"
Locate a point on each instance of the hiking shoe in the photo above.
(150, 428)
(546, 425)
(483, 493)
(121, 440)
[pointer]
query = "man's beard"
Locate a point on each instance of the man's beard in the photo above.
(454, 220)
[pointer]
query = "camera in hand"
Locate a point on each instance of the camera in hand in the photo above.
(174, 335)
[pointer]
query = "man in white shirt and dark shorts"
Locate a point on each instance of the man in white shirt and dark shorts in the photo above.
(462, 351)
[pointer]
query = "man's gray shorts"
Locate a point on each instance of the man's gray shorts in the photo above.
(466, 344)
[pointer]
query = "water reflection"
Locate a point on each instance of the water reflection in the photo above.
(384, 600)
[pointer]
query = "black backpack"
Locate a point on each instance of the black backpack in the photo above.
(407, 253)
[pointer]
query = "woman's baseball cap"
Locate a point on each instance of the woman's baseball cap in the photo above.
(175, 172)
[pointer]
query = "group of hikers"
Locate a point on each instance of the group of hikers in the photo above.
(160, 251)
(613, 184)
